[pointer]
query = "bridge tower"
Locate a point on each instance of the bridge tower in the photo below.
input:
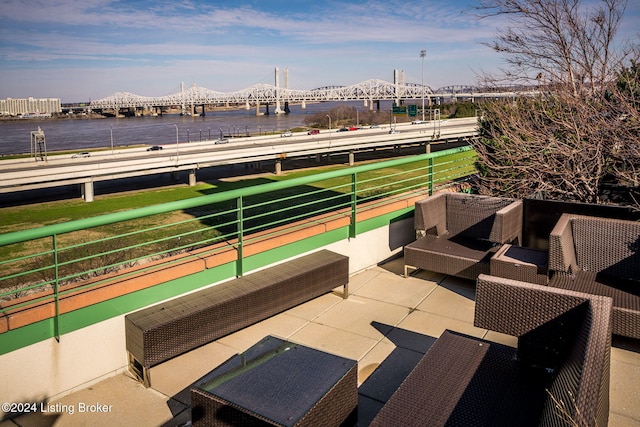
(286, 87)
(398, 81)
(183, 110)
(277, 84)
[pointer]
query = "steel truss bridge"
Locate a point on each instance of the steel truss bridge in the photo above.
(368, 91)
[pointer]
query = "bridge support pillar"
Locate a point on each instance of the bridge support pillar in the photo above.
(318, 157)
(428, 149)
(304, 104)
(87, 191)
(266, 111)
(192, 178)
(278, 166)
(352, 157)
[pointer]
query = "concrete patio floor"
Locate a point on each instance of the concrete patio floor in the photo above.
(386, 324)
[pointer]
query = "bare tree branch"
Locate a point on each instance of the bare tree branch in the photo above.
(581, 133)
(568, 42)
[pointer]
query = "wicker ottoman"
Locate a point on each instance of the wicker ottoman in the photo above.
(520, 263)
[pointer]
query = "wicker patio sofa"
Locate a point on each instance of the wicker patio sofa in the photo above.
(600, 256)
(160, 332)
(557, 376)
(458, 233)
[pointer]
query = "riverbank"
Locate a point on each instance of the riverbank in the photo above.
(56, 116)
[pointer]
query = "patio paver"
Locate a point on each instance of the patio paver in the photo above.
(387, 323)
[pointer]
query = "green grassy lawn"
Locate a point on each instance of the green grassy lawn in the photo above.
(96, 251)
(31, 216)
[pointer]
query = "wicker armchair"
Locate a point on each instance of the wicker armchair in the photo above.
(558, 375)
(600, 256)
(458, 233)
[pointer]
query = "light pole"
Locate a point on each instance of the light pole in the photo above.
(329, 117)
(423, 53)
(330, 135)
(111, 140)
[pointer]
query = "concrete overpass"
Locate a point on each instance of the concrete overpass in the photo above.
(58, 170)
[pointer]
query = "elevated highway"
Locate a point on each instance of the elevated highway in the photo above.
(59, 170)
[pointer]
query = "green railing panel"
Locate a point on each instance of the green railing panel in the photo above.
(51, 258)
(66, 227)
(72, 321)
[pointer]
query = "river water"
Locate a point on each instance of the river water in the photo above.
(69, 135)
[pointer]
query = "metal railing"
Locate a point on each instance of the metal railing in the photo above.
(44, 264)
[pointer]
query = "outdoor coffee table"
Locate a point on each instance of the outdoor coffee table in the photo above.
(277, 382)
(520, 263)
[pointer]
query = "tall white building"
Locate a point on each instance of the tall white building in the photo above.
(14, 107)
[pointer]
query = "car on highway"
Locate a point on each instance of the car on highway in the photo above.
(222, 141)
(287, 133)
(313, 132)
(392, 131)
(418, 122)
(354, 128)
(374, 127)
(81, 155)
(343, 130)
(154, 148)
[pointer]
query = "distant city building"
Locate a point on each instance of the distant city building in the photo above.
(30, 106)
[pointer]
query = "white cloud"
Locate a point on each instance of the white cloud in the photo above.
(116, 46)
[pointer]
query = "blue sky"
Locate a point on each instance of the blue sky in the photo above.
(89, 49)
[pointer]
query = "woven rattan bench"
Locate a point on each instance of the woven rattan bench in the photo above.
(558, 375)
(600, 256)
(458, 233)
(161, 332)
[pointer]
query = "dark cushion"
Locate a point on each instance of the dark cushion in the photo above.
(625, 293)
(480, 250)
